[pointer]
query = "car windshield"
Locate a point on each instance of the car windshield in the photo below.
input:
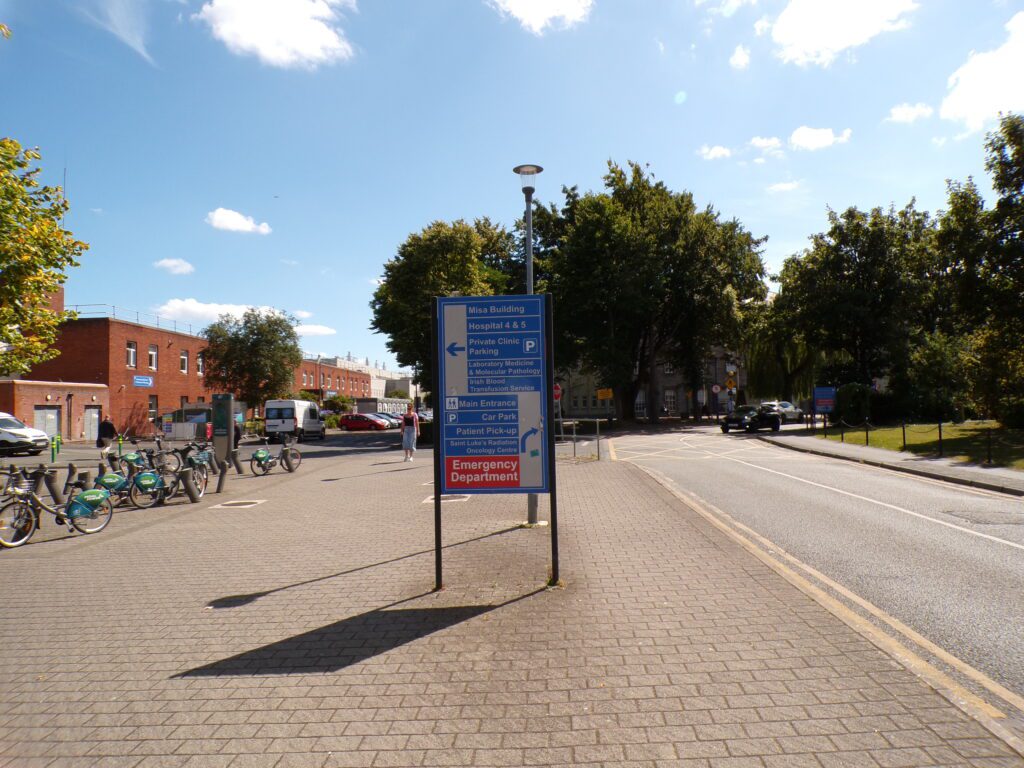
(280, 413)
(745, 409)
(9, 422)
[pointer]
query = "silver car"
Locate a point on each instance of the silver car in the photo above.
(788, 411)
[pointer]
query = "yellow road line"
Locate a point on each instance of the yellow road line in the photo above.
(963, 698)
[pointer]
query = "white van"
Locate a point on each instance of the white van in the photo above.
(18, 437)
(297, 418)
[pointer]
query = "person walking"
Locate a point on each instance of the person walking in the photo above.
(410, 431)
(105, 436)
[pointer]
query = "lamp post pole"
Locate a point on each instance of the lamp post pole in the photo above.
(527, 173)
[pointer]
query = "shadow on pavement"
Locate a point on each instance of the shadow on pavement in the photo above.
(346, 642)
(236, 601)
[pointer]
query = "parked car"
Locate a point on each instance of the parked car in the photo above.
(18, 437)
(426, 416)
(789, 411)
(392, 420)
(752, 418)
(354, 421)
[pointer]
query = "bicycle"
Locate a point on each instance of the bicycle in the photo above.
(88, 511)
(151, 487)
(262, 462)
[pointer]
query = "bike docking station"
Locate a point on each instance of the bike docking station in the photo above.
(493, 392)
(223, 436)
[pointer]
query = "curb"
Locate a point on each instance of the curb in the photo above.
(899, 468)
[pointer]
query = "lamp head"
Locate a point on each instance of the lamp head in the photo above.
(527, 173)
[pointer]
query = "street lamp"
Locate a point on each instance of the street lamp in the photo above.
(527, 175)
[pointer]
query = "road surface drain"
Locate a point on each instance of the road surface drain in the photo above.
(239, 504)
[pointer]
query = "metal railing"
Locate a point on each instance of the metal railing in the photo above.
(132, 316)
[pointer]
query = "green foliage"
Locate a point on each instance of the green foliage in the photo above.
(442, 260)
(332, 421)
(339, 403)
(254, 357)
(401, 394)
(35, 252)
(304, 394)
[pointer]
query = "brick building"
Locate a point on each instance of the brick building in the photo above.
(334, 379)
(71, 410)
(147, 371)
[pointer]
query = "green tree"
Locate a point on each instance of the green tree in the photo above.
(779, 360)
(639, 275)
(444, 259)
(339, 403)
(254, 356)
(35, 252)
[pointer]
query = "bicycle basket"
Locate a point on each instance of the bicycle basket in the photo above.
(261, 455)
(111, 481)
(85, 503)
(134, 458)
(202, 457)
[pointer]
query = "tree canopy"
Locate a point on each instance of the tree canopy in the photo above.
(254, 356)
(35, 254)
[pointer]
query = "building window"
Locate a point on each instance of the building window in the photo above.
(152, 407)
(575, 401)
(668, 398)
(200, 364)
(321, 380)
(131, 354)
(593, 401)
(184, 400)
(153, 351)
(200, 399)
(668, 368)
(183, 361)
(304, 378)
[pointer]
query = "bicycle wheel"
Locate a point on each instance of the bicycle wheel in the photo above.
(96, 520)
(296, 458)
(259, 467)
(171, 483)
(17, 524)
(169, 461)
(144, 498)
(201, 478)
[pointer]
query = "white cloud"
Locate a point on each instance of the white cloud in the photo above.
(727, 7)
(740, 58)
(281, 33)
(661, 46)
(195, 311)
(939, 141)
(233, 221)
(816, 31)
(302, 314)
(125, 20)
(985, 84)
(761, 26)
(909, 113)
(290, 262)
(314, 330)
(812, 139)
(175, 266)
(97, 211)
(769, 146)
(537, 15)
(783, 186)
(714, 153)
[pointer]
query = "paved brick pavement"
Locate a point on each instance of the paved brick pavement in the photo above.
(302, 632)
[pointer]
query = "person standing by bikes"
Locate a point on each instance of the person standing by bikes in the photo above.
(410, 431)
(106, 436)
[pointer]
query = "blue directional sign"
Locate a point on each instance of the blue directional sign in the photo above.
(142, 381)
(492, 405)
(824, 399)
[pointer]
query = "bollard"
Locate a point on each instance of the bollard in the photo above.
(988, 436)
(222, 478)
(60, 443)
(286, 459)
(53, 449)
(190, 487)
(842, 432)
(574, 438)
(940, 438)
(85, 478)
(37, 476)
(120, 442)
(212, 464)
(72, 474)
(597, 424)
(867, 440)
(101, 470)
(50, 478)
(904, 435)
(238, 464)
(113, 462)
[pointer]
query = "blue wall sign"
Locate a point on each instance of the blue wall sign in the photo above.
(492, 406)
(824, 399)
(142, 381)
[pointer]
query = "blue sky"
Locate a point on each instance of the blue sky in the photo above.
(223, 153)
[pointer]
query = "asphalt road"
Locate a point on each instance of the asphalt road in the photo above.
(945, 560)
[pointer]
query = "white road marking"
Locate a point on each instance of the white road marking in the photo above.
(857, 496)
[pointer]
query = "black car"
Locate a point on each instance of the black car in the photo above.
(752, 418)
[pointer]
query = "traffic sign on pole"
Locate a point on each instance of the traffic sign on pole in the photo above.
(492, 401)
(558, 391)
